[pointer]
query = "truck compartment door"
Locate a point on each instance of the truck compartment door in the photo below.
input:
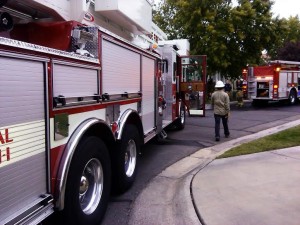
(283, 81)
(23, 167)
(148, 90)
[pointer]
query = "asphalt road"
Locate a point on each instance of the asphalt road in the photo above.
(198, 133)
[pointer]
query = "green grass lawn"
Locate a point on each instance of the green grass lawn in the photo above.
(283, 139)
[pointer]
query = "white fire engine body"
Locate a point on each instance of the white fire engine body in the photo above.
(76, 103)
(278, 81)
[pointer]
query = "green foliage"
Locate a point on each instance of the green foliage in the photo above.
(290, 52)
(283, 139)
(286, 44)
(231, 37)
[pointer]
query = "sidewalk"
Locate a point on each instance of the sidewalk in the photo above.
(254, 189)
(258, 189)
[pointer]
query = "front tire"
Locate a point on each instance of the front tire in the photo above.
(88, 185)
(126, 159)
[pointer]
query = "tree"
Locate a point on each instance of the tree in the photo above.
(290, 52)
(197, 21)
(253, 30)
(287, 37)
(286, 33)
(231, 37)
(278, 36)
(293, 29)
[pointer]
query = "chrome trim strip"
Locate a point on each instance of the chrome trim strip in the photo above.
(122, 121)
(43, 49)
(67, 63)
(47, 121)
(23, 56)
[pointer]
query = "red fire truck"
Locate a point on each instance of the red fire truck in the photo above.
(276, 82)
(76, 103)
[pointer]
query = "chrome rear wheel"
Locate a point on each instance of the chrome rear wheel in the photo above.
(91, 186)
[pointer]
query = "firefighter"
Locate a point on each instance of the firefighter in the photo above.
(221, 105)
(239, 97)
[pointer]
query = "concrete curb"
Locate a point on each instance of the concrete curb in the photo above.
(169, 195)
(206, 155)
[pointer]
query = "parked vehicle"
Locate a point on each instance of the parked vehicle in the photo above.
(279, 81)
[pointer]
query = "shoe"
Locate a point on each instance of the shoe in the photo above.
(227, 136)
(217, 139)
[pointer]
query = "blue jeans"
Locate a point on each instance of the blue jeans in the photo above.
(217, 125)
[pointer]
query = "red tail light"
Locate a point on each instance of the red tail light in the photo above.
(114, 127)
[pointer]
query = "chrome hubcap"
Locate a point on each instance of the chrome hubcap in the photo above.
(292, 99)
(130, 158)
(84, 185)
(91, 186)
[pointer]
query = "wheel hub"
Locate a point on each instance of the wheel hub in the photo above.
(130, 158)
(84, 185)
(91, 186)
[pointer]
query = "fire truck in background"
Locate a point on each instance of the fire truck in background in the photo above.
(276, 82)
(78, 101)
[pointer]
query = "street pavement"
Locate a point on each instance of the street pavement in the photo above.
(257, 189)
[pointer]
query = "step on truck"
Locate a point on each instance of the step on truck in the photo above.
(77, 101)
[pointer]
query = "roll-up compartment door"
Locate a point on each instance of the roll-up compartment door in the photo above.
(120, 69)
(72, 81)
(148, 90)
(283, 80)
(23, 140)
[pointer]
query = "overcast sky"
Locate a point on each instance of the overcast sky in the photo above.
(283, 8)
(286, 8)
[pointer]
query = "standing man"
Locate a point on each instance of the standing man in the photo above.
(221, 105)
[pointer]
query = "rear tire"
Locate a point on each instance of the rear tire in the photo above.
(88, 185)
(180, 121)
(292, 97)
(125, 159)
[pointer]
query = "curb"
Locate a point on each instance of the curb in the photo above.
(169, 196)
(205, 155)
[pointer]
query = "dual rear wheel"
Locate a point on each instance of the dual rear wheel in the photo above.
(125, 159)
(89, 181)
